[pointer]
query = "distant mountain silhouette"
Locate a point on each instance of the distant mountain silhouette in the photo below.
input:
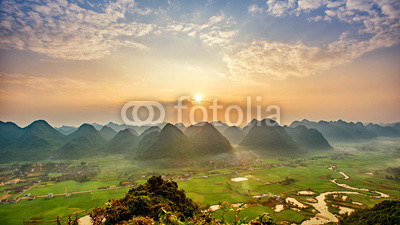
(395, 125)
(40, 141)
(116, 127)
(248, 126)
(179, 149)
(254, 122)
(133, 131)
(39, 135)
(107, 133)
(9, 132)
(308, 139)
(269, 140)
(86, 141)
(97, 126)
(42, 129)
(220, 126)
(388, 131)
(181, 126)
(169, 143)
(150, 130)
(208, 140)
(37, 142)
(234, 134)
(341, 131)
(66, 129)
(124, 142)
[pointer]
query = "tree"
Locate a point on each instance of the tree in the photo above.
(386, 212)
(263, 219)
(148, 200)
(58, 220)
(161, 202)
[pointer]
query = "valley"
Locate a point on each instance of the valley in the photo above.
(269, 183)
(135, 112)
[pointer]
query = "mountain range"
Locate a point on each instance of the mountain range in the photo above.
(208, 140)
(170, 142)
(269, 139)
(123, 142)
(36, 141)
(341, 131)
(86, 141)
(39, 140)
(234, 134)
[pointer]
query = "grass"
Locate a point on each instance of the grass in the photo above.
(48, 209)
(253, 212)
(72, 186)
(54, 174)
(212, 190)
(219, 188)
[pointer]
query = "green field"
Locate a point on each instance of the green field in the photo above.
(253, 212)
(308, 173)
(46, 210)
(72, 186)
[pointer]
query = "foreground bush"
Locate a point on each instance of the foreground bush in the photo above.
(159, 202)
(384, 213)
(148, 200)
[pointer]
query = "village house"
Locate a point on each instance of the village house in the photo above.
(13, 181)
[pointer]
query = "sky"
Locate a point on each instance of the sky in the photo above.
(71, 62)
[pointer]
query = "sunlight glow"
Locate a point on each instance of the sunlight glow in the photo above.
(198, 98)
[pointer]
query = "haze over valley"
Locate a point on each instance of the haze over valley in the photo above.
(218, 112)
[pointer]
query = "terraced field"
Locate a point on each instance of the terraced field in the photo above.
(210, 186)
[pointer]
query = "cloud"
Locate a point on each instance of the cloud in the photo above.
(65, 30)
(273, 59)
(218, 30)
(261, 59)
(58, 89)
(279, 8)
(309, 4)
(378, 26)
(40, 83)
(255, 9)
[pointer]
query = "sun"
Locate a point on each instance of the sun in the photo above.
(198, 98)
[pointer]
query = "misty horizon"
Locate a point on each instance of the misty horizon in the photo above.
(198, 122)
(315, 60)
(199, 112)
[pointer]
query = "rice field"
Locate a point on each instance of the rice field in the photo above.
(210, 186)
